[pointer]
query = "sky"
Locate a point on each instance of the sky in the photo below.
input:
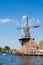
(11, 18)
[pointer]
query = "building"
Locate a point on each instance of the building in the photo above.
(30, 47)
(41, 45)
(28, 44)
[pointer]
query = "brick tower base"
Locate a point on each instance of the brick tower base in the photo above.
(29, 47)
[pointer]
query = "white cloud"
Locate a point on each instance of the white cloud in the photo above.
(38, 20)
(32, 19)
(24, 17)
(5, 20)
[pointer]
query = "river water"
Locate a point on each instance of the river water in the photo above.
(9, 59)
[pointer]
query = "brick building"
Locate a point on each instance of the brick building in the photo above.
(41, 44)
(29, 47)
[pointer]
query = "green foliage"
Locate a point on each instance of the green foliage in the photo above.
(7, 48)
(0, 49)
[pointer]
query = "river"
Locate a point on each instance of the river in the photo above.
(9, 59)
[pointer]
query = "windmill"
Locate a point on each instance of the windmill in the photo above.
(26, 34)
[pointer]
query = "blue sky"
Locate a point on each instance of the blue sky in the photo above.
(11, 12)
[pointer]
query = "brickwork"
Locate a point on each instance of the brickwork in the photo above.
(29, 47)
(41, 44)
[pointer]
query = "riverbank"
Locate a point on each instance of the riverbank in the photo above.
(21, 54)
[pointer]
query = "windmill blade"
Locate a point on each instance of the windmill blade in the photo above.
(19, 28)
(31, 26)
(24, 27)
(35, 26)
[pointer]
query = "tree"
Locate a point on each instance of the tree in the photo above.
(0, 49)
(7, 47)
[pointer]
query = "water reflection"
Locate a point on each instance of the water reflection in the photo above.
(28, 60)
(10, 59)
(32, 60)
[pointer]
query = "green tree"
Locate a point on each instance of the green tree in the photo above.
(7, 47)
(0, 49)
